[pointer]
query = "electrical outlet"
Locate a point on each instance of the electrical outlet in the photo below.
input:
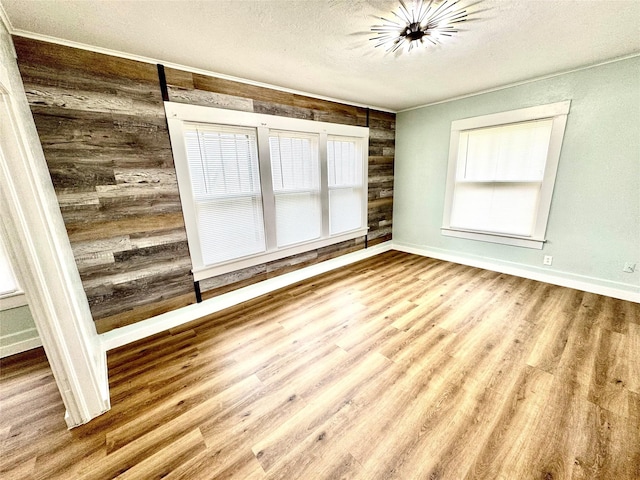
(548, 260)
(629, 267)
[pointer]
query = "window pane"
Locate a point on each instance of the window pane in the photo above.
(298, 217)
(294, 163)
(505, 153)
(472, 206)
(514, 208)
(345, 205)
(344, 168)
(507, 209)
(295, 171)
(230, 228)
(222, 162)
(224, 174)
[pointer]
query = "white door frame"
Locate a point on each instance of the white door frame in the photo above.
(39, 246)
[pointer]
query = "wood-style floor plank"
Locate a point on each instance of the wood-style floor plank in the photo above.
(397, 367)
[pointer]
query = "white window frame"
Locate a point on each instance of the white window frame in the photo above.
(558, 113)
(179, 114)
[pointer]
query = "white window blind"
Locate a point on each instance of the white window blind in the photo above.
(295, 171)
(502, 170)
(225, 183)
(345, 184)
(498, 177)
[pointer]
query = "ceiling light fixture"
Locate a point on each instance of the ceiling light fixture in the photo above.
(426, 21)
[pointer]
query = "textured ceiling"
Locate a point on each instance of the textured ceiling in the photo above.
(322, 47)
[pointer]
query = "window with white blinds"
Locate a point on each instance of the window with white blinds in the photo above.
(225, 183)
(501, 175)
(346, 194)
(256, 188)
(498, 177)
(295, 172)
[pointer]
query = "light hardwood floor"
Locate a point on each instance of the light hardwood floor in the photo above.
(398, 367)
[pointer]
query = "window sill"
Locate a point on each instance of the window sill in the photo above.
(494, 238)
(214, 270)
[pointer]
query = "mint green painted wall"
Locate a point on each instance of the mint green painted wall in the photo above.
(594, 222)
(16, 325)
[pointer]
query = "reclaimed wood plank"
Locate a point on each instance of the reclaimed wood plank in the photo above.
(78, 100)
(338, 117)
(141, 291)
(94, 132)
(282, 110)
(143, 312)
(38, 75)
(340, 109)
(114, 209)
(135, 259)
(210, 99)
(71, 176)
(229, 87)
(179, 78)
(84, 231)
(232, 277)
(53, 55)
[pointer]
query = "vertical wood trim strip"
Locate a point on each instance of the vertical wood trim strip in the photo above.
(196, 287)
(163, 83)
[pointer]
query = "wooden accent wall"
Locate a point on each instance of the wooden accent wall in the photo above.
(103, 130)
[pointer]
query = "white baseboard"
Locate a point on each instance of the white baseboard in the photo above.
(579, 282)
(11, 347)
(137, 331)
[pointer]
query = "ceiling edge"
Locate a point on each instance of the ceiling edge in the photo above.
(523, 82)
(139, 58)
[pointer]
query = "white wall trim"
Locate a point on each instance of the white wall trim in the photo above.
(538, 244)
(12, 347)
(185, 68)
(622, 291)
(137, 331)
